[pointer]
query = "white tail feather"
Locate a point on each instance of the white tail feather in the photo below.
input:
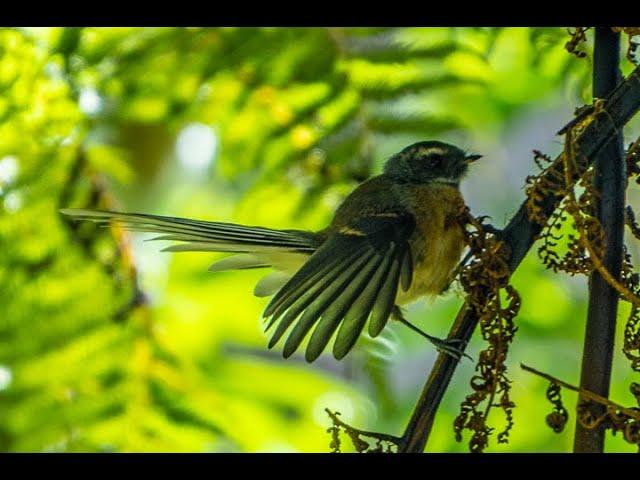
(270, 284)
(238, 262)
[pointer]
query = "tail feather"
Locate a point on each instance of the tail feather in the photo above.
(270, 284)
(198, 235)
(242, 261)
(102, 216)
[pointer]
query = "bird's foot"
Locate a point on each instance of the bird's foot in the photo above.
(454, 347)
(487, 227)
(449, 346)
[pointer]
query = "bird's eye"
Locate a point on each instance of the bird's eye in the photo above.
(435, 160)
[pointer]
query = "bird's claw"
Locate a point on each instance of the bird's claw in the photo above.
(448, 347)
(487, 227)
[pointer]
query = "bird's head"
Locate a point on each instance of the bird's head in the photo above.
(430, 161)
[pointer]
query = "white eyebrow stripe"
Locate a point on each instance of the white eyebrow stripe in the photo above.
(449, 181)
(431, 150)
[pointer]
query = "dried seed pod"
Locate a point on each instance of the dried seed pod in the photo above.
(578, 38)
(485, 280)
(557, 419)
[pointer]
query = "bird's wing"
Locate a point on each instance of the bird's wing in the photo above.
(353, 276)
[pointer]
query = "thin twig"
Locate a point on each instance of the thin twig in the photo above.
(365, 433)
(635, 414)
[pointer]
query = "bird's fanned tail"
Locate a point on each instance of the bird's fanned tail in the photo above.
(257, 246)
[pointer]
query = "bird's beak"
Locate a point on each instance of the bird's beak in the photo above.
(472, 157)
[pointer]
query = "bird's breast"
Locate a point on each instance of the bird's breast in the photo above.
(438, 240)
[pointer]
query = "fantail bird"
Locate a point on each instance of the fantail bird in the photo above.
(395, 238)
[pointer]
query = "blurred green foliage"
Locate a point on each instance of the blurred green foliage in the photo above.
(108, 345)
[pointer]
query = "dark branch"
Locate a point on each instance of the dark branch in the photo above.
(519, 234)
(610, 181)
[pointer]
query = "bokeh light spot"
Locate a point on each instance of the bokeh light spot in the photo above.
(8, 169)
(90, 101)
(196, 147)
(6, 377)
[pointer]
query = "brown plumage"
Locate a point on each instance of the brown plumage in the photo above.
(394, 239)
(436, 242)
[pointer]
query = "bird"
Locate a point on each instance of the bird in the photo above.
(394, 239)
